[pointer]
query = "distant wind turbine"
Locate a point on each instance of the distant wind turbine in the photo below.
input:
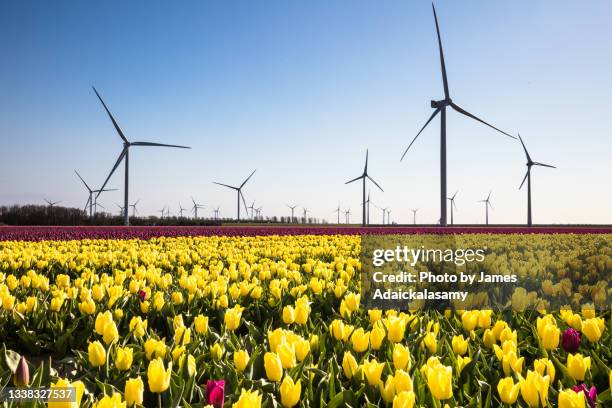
(528, 178)
(196, 207)
(384, 212)
(51, 203)
(239, 192)
(305, 212)
(181, 210)
(388, 216)
(252, 208)
(347, 215)
(216, 212)
(125, 155)
(133, 207)
(120, 209)
(363, 177)
(338, 210)
(292, 207)
(91, 201)
(440, 107)
(487, 202)
(452, 206)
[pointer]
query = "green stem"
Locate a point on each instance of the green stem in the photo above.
(159, 400)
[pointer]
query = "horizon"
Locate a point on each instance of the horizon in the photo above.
(248, 87)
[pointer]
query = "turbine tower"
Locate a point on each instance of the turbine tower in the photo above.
(181, 210)
(125, 155)
(338, 210)
(527, 177)
(305, 211)
(252, 208)
(347, 215)
(487, 202)
(440, 107)
(363, 177)
(239, 192)
(452, 206)
(414, 211)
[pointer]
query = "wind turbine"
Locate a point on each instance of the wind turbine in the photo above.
(528, 178)
(125, 155)
(90, 201)
(51, 203)
(239, 192)
(440, 107)
(216, 212)
(487, 202)
(347, 215)
(120, 209)
(305, 211)
(96, 205)
(258, 211)
(162, 211)
(292, 209)
(181, 210)
(388, 216)
(384, 211)
(133, 206)
(252, 208)
(337, 210)
(363, 178)
(195, 208)
(414, 211)
(452, 200)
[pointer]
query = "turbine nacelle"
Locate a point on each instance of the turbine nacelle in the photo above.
(441, 103)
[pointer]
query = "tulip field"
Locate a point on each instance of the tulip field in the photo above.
(276, 320)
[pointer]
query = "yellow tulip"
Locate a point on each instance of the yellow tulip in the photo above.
(158, 376)
(241, 359)
(273, 366)
(217, 352)
(373, 371)
(302, 348)
(459, 345)
(387, 390)
(248, 399)
(577, 366)
(110, 332)
(488, 338)
(430, 342)
(462, 362)
(349, 364)
(201, 324)
(377, 335)
(592, 328)
(545, 366)
(288, 314)
(401, 357)
(232, 317)
(404, 399)
(286, 352)
(79, 388)
(97, 354)
(134, 390)
(549, 336)
(290, 392)
(352, 301)
(302, 311)
(508, 391)
(396, 329)
(138, 327)
(114, 401)
(403, 382)
(534, 389)
(360, 340)
(124, 358)
(571, 399)
(439, 381)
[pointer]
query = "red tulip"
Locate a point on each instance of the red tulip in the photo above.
(215, 393)
(570, 340)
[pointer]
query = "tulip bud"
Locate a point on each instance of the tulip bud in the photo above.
(570, 340)
(21, 378)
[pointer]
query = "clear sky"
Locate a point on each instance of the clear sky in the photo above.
(298, 91)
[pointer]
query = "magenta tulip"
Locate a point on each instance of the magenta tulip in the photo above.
(215, 393)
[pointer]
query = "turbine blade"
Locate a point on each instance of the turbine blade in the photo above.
(372, 180)
(433, 115)
(524, 148)
(117, 128)
(158, 144)
(489, 196)
(455, 195)
(244, 201)
(121, 155)
(247, 179)
(490, 205)
(355, 179)
(77, 173)
(468, 114)
(543, 165)
(442, 65)
(365, 169)
(226, 185)
(524, 178)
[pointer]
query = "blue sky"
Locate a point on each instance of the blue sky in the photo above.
(299, 90)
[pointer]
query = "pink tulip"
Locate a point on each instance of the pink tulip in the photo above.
(215, 393)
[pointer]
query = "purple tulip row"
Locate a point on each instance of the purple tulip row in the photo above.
(28, 233)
